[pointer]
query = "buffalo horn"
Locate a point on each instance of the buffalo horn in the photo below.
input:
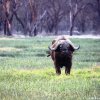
(74, 47)
(56, 44)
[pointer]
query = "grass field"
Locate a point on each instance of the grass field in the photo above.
(26, 73)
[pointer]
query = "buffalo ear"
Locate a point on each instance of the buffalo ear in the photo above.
(71, 48)
(48, 53)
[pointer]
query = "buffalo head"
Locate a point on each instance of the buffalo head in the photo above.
(63, 45)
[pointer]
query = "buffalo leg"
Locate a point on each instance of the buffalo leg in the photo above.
(58, 70)
(68, 68)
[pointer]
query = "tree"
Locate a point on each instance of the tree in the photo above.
(31, 17)
(7, 17)
(75, 8)
(55, 11)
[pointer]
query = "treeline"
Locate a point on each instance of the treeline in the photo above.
(32, 17)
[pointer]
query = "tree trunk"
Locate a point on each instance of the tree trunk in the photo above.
(8, 20)
(72, 25)
(71, 30)
(56, 30)
(7, 28)
(83, 26)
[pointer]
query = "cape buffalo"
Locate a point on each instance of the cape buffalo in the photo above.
(61, 52)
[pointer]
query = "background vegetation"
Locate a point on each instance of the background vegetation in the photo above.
(32, 17)
(26, 73)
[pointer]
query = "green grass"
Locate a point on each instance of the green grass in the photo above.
(26, 73)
